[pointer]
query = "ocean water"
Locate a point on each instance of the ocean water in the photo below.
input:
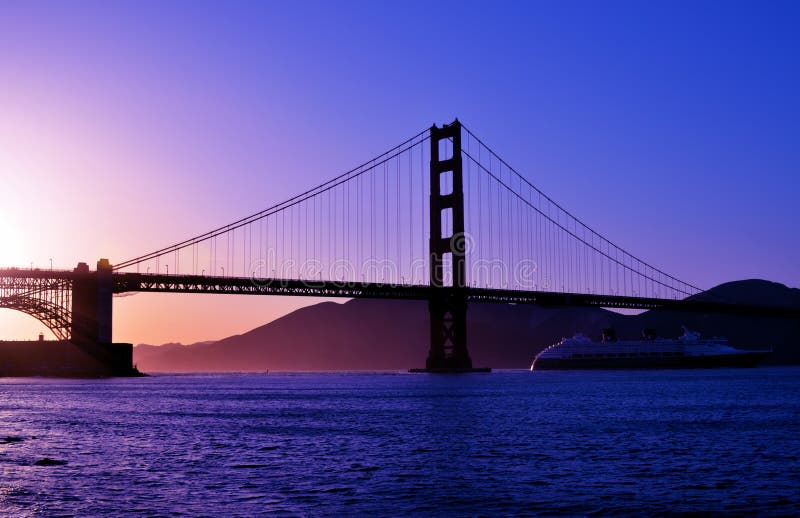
(504, 443)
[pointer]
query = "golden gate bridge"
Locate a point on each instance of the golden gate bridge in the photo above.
(440, 217)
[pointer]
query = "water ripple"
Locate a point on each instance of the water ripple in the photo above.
(552, 443)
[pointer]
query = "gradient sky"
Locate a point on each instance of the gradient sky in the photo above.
(673, 127)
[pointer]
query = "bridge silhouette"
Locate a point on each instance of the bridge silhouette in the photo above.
(440, 217)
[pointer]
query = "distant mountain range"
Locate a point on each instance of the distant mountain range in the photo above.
(364, 334)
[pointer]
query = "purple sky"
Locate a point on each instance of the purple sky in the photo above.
(671, 128)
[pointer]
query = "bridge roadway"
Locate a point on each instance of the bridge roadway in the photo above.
(137, 282)
(21, 280)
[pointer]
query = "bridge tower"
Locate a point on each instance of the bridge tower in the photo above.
(448, 304)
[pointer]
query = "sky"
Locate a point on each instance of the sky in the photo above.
(670, 127)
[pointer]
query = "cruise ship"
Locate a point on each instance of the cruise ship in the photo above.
(687, 351)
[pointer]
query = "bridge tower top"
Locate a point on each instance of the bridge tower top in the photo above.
(447, 251)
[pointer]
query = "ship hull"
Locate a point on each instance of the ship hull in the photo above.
(748, 359)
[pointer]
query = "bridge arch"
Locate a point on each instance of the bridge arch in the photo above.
(56, 318)
(41, 296)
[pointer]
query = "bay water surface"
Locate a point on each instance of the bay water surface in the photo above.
(510, 442)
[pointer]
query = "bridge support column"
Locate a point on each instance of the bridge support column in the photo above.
(448, 314)
(92, 298)
(92, 303)
(448, 305)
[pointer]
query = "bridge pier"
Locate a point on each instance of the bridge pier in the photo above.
(92, 305)
(448, 306)
(92, 297)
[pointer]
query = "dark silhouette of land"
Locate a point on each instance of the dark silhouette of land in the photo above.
(62, 358)
(366, 334)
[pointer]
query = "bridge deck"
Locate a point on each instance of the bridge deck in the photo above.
(146, 282)
(137, 282)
